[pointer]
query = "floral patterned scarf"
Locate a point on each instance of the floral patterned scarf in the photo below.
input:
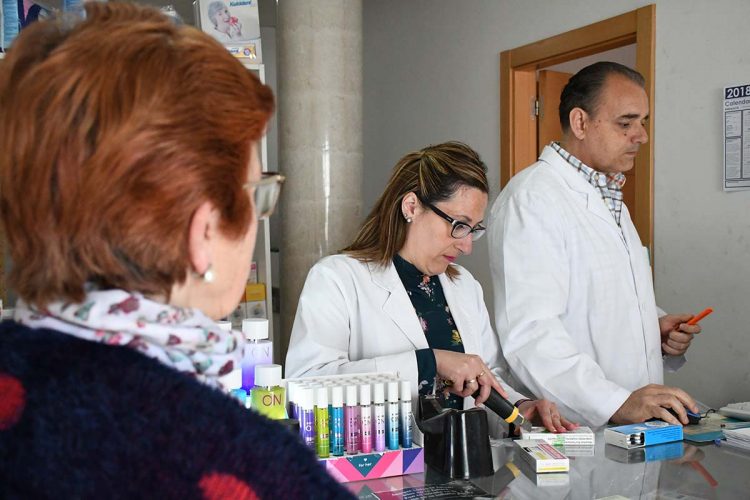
(185, 339)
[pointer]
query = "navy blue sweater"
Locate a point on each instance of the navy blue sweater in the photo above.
(80, 419)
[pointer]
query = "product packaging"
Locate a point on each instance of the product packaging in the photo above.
(375, 465)
(542, 456)
(255, 309)
(582, 436)
(643, 434)
(255, 292)
(253, 276)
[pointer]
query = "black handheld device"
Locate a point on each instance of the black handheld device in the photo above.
(505, 409)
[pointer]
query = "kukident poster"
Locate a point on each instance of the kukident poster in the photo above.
(235, 24)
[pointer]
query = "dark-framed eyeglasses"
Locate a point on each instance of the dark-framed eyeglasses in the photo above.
(459, 229)
(266, 193)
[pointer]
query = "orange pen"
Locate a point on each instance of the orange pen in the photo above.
(695, 319)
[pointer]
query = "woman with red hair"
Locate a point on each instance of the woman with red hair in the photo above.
(130, 189)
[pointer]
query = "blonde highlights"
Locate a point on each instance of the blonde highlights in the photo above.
(434, 174)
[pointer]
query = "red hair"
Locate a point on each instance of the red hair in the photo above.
(113, 131)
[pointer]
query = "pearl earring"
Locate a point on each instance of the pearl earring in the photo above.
(408, 219)
(208, 276)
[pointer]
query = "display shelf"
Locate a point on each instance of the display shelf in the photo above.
(262, 252)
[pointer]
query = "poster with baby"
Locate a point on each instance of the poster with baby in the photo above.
(233, 23)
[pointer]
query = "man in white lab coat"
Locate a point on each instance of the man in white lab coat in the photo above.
(574, 301)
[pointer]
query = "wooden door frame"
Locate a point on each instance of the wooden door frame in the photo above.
(518, 73)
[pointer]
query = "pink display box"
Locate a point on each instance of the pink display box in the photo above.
(386, 488)
(375, 465)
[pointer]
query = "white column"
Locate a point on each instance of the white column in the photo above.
(320, 138)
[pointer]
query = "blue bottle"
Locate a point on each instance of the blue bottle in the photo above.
(337, 421)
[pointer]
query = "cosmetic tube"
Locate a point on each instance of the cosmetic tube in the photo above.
(378, 400)
(322, 444)
(365, 418)
(291, 399)
(392, 412)
(405, 414)
(306, 414)
(351, 421)
(337, 417)
(329, 385)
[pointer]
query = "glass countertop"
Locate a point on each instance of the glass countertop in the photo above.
(677, 470)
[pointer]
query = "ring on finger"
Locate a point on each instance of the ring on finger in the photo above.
(472, 381)
(480, 375)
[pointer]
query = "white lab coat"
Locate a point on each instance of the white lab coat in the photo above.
(356, 317)
(574, 300)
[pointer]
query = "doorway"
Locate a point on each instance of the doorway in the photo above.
(550, 83)
(520, 134)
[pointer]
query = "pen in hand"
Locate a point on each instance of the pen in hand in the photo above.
(695, 319)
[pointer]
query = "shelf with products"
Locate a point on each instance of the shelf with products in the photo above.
(259, 283)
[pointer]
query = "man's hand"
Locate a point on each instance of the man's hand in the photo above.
(544, 412)
(653, 401)
(676, 334)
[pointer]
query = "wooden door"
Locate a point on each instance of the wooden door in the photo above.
(550, 85)
(638, 27)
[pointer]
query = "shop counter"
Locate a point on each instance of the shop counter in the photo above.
(677, 470)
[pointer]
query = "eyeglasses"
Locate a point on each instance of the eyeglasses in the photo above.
(459, 229)
(266, 194)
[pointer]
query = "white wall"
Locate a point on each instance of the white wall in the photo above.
(431, 71)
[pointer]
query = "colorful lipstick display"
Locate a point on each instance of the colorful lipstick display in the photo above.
(363, 413)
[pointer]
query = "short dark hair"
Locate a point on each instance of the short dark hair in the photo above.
(583, 88)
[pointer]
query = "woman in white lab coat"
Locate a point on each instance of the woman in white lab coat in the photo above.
(395, 301)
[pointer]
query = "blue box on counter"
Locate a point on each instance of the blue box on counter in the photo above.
(643, 434)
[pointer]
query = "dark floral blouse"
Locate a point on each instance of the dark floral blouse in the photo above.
(426, 294)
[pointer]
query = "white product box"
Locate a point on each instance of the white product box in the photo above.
(542, 456)
(582, 436)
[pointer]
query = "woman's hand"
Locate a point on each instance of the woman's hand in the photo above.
(543, 412)
(466, 373)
